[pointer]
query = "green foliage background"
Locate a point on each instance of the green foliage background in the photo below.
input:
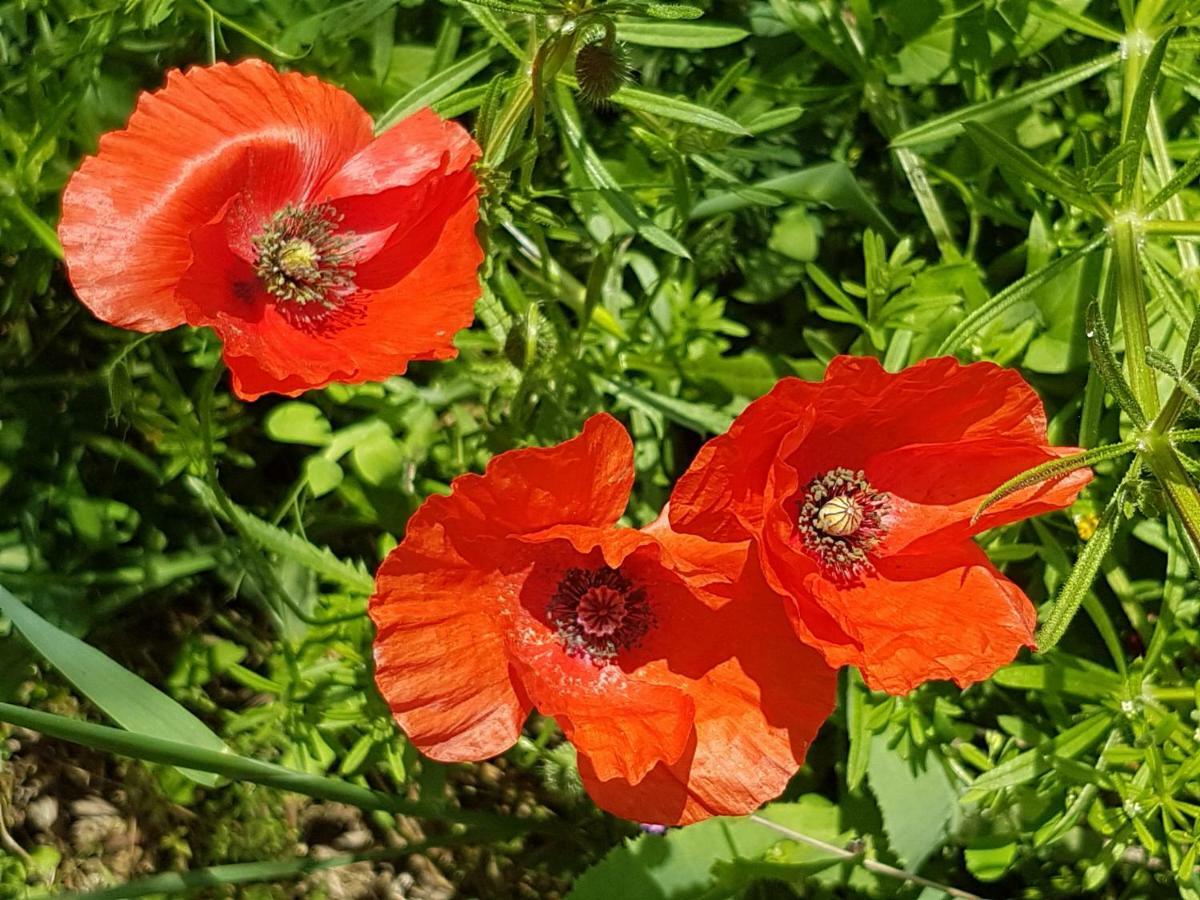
(780, 181)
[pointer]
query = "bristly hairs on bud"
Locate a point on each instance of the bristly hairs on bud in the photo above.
(601, 67)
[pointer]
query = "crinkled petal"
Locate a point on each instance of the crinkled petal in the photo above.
(441, 658)
(935, 489)
(760, 697)
(408, 152)
(209, 134)
(720, 495)
(582, 481)
(373, 337)
(948, 614)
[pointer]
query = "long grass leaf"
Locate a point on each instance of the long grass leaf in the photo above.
(124, 697)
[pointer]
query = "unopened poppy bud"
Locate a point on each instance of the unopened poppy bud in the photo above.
(601, 67)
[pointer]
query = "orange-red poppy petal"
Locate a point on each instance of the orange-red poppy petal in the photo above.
(441, 658)
(719, 497)
(416, 318)
(949, 614)
(409, 151)
(935, 490)
(582, 481)
(760, 698)
(209, 134)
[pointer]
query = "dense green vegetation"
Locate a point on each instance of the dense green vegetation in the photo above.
(776, 183)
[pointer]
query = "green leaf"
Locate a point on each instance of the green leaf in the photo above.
(1055, 468)
(683, 35)
(916, 798)
(320, 560)
(673, 11)
(680, 110)
(989, 857)
(678, 865)
(1027, 766)
(323, 475)
(696, 416)
(831, 183)
(1139, 109)
(609, 189)
(1107, 365)
(124, 697)
(1022, 99)
(1024, 165)
(1063, 673)
(295, 422)
(1079, 582)
(996, 306)
(858, 730)
(436, 87)
(1185, 176)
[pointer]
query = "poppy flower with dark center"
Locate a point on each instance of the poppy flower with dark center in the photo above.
(261, 204)
(859, 491)
(665, 658)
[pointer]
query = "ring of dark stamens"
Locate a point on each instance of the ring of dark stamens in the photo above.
(304, 261)
(843, 557)
(598, 612)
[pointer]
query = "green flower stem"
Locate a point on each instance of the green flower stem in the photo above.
(510, 118)
(1172, 227)
(43, 232)
(1160, 456)
(1131, 302)
(1156, 137)
(230, 765)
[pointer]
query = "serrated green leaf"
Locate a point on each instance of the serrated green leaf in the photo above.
(916, 798)
(320, 560)
(682, 35)
(677, 109)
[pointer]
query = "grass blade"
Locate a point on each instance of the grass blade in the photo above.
(436, 87)
(239, 768)
(124, 697)
(951, 124)
(1139, 110)
(980, 318)
(1020, 162)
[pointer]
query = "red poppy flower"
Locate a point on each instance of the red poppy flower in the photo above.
(674, 674)
(859, 493)
(260, 204)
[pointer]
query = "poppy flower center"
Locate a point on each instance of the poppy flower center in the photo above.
(598, 613)
(303, 260)
(840, 521)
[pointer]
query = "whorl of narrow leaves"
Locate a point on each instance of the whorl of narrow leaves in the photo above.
(1055, 468)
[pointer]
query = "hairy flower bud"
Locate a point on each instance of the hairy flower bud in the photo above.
(601, 67)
